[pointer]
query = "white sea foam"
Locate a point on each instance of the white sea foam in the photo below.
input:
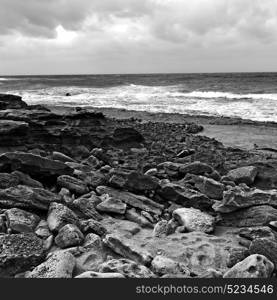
(260, 107)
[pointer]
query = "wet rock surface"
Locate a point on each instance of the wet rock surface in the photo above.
(85, 196)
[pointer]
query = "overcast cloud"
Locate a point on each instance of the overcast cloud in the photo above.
(130, 36)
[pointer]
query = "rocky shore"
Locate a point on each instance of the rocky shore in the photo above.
(84, 195)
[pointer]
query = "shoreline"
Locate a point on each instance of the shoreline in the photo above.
(232, 132)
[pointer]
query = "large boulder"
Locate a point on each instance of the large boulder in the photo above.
(59, 265)
(19, 252)
(34, 165)
(185, 196)
(245, 175)
(254, 266)
(133, 200)
(8, 101)
(194, 220)
(27, 198)
(21, 221)
(237, 198)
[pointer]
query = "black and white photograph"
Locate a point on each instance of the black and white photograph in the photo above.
(138, 140)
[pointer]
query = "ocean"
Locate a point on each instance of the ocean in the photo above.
(246, 95)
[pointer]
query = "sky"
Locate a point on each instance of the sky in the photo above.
(137, 36)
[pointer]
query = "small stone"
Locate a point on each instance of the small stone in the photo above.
(42, 230)
(162, 265)
(69, 236)
(194, 220)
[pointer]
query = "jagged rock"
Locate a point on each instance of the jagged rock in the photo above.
(59, 265)
(247, 217)
(211, 188)
(74, 185)
(252, 233)
(93, 226)
(34, 165)
(42, 230)
(194, 220)
(243, 175)
(8, 180)
(62, 157)
(133, 216)
(8, 101)
(136, 201)
(87, 207)
(254, 266)
(25, 179)
(91, 274)
(196, 168)
(112, 205)
(162, 265)
(136, 182)
(69, 236)
(59, 215)
(184, 196)
(27, 197)
(21, 221)
(237, 198)
(127, 268)
(266, 247)
(19, 252)
(123, 247)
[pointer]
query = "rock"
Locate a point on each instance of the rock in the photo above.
(127, 268)
(74, 185)
(184, 196)
(211, 273)
(19, 252)
(62, 157)
(8, 180)
(196, 250)
(122, 247)
(112, 205)
(140, 183)
(162, 265)
(69, 236)
(93, 226)
(120, 227)
(87, 207)
(252, 233)
(136, 201)
(127, 136)
(266, 247)
(151, 172)
(196, 168)
(25, 179)
(211, 188)
(237, 198)
(252, 216)
(42, 230)
(91, 274)
(245, 175)
(254, 266)
(59, 215)
(27, 197)
(34, 165)
(93, 162)
(133, 216)
(21, 221)
(8, 101)
(94, 179)
(161, 229)
(273, 225)
(194, 220)
(59, 265)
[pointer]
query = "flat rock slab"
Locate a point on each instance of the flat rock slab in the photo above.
(19, 253)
